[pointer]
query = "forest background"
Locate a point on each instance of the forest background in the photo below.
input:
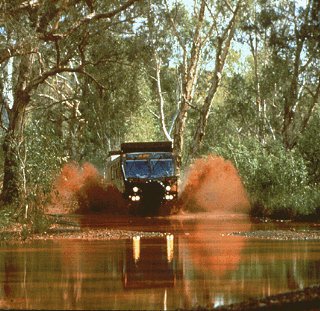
(235, 78)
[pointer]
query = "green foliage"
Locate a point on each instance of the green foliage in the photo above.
(23, 219)
(276, 179)
(7, 216)
(140, 128)
(113, 97)
(44, 156)
(40, 223)
(32, 213)
(309, 147)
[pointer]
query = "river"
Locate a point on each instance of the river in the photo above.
(197, 262)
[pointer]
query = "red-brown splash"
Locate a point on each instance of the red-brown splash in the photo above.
(83, 189)
(212, 184)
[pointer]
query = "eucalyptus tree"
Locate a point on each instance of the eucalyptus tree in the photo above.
(303, 92)
(125, 111)
(283, 37)
(40, 40)
(200, 38)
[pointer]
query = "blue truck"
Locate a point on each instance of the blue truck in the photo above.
(145, 173)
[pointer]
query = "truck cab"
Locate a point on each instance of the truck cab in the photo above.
(145, 173)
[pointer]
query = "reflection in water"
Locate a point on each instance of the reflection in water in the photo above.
(136, 248)
(153, 269)
(196, 264)
(170, 247)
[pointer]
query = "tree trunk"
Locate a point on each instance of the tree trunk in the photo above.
(13, 177)
(189, 72)
(259, 102)
(161, 100)
(204, 114)
(223, 46)
(13, 174)
(178, 138)
(291, 102)
(292, 97)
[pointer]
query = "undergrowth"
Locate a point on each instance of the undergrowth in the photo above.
(26, 217)
(277, 180)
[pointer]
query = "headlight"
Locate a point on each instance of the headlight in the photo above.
(168, 188)
(135, 198)
(135, 189)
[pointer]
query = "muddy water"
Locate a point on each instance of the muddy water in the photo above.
(195, 263)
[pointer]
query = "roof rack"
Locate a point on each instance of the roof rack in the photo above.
(161, 146)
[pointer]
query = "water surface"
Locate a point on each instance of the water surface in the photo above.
(195, 263)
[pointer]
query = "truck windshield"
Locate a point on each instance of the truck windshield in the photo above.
(137, 168)
(153, 168)
(161, 168)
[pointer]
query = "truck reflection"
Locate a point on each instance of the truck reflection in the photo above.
(195, 267)
(149, 263)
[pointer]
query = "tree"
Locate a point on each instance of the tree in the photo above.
(223, 42)
(40, 40)
(200, 39)
(283, 39)
(304, 86)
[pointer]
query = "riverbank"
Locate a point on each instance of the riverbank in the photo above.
(306, 299)
(17, 233)
(67, 228)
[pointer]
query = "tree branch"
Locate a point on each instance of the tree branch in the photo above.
(175, 31)
(161, 100)
(96, 16)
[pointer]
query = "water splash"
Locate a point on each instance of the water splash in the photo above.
(212, 184)
(82, 189)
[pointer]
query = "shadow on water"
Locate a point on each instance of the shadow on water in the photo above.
(195, 262)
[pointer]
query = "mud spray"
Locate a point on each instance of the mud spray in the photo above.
(82, 189)
(213, 184)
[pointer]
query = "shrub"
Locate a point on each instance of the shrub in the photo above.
(276, 179)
